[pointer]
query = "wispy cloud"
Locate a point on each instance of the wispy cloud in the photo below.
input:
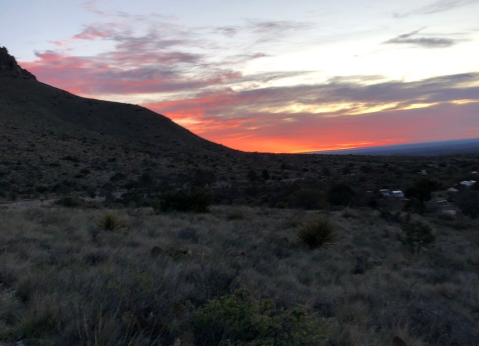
(342, 110)
(437, 7)
(412, 39)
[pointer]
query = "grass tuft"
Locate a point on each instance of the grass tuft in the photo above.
(319, 232)
(111, 222)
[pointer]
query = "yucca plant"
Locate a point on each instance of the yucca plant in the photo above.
(111, 222)
(319, 232)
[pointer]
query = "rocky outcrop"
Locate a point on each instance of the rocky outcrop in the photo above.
(10, 68)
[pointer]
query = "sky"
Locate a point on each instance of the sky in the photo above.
(264, 75)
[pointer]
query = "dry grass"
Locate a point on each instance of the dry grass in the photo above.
(64, 282)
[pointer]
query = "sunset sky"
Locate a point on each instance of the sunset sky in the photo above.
(264, 75)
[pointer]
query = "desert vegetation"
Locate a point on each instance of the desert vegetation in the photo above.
(119, 227)
(236, 276)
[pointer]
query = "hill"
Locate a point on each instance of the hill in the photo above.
(49, 135)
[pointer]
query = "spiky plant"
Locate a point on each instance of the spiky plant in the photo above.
(319, 232)
(111, 222)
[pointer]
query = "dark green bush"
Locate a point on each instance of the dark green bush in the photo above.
(468, 202)
(340, 194)
(41, 189)
(197, 201)
(236, 215)
(416, 205)
(240, 319)
(204, 177)
(252, 176)
(265, 174)
(310, 199)
(69, 202)
(422, 189)
(318, 232)
(417, 235)
(326, 171)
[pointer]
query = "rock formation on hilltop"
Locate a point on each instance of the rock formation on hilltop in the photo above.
(10, 68)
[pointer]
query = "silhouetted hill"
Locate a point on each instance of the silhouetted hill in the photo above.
(48, 135)
(24, 98)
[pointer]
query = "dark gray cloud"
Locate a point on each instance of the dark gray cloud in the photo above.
(424, 42)
(356, 97)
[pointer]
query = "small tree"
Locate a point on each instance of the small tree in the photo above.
(468, 202)
(197, 201)
(264, 174)
(204, 177)
(340, 194)
(252, 176)
(417, 235)
(422, 189)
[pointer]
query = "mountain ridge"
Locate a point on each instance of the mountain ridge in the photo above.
(10, 68)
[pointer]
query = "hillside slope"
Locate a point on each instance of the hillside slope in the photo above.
(23, 98)
(48, 135)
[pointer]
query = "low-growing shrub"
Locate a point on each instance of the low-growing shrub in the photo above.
(340, 194)
(189, 234)
(69, 202)
(236, 215)
(111, 222)
(240, 319)
(310, 199)
(196, 201)
(319, 232)
(422, 189)
(468, 203)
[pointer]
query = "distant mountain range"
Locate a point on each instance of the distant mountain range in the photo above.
(460, 146)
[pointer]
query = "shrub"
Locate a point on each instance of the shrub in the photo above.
(415, 205)
(252, 176)
(385, 214)
(236, 215)
(41, 189)
(265, 174)
(239, 319)
(417, 235)
(340, 194)
(468, 203)
(117, 177)
(319, 232)
(69, 202)
(422, 189)
(189, 234)
(197, 201)
(310, 199)
(111, 222)
(204, 177)
(326, 171)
